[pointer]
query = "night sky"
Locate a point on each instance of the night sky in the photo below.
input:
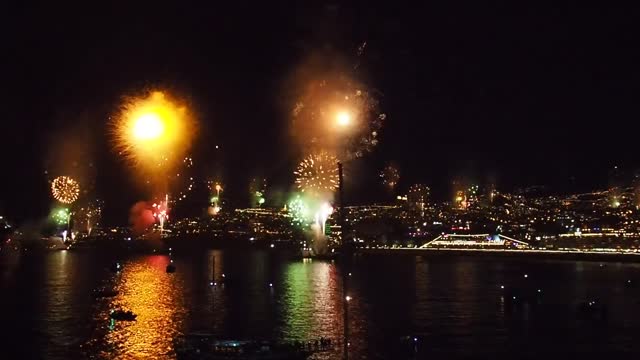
(519, 96)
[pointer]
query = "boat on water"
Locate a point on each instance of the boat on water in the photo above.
(521, 292)
(104, 293)
(122, 315)
(117, 267)
(592, 310)
(205, 346)
(308, 253)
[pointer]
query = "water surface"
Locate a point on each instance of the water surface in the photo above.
(453, 305)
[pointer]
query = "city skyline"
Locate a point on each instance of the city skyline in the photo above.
(319, 180)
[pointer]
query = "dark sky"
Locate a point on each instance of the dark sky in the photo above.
(520, 95)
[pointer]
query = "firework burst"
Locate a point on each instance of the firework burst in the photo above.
(299, 211)
(153, 131)
(390, 176)
(61, 216)
(318, 174)
(65, 189)
(337, 113)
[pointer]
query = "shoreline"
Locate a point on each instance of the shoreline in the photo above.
(489, 253)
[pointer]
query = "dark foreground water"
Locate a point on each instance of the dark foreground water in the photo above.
(453, 305)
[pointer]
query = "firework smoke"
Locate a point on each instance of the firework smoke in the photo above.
(141, 217)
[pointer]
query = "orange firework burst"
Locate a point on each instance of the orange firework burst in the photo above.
(153, 131)
(338, 115)
(318, 173)
(333, 110)
(65, 189)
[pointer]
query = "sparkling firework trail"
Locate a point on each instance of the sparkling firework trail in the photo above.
(359, 53)
(361, 48)
(89, 215)
(418, 195)
(65, 189)
(216, 188)
(183, 181)
(161, 212)
(318, 174)
(322, 215)
(257, 191)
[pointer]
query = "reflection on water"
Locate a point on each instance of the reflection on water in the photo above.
(453, 305)
(311, 301)
(63, 273)
(258, 295)
(158, 300)
(215, 295)
(253, 297)
(420, 312)
(10, 261)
